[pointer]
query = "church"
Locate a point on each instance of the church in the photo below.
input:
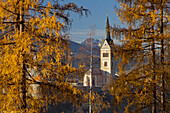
(101, 77)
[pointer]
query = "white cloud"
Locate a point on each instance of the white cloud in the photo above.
(79, 35)
(84, 33)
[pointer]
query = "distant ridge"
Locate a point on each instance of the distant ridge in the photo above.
(95, 42)
(80, 52)
(74, 47)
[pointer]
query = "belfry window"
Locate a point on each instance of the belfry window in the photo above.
(105, 54)
(105, 63)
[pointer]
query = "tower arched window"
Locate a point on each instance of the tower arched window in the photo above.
(105, 63)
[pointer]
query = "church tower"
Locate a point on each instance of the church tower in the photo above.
(106, 55)
(100, 77)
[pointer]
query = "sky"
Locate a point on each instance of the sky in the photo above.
(81, 26)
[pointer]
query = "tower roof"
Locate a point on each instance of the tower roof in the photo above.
(107, 23)
(107, 32)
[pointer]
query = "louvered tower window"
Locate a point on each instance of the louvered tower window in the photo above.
(105, 54)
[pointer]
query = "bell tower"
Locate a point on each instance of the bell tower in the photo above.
(106, 52)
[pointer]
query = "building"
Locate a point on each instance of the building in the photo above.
(100, 77)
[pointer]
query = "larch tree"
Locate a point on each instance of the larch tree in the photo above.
(142, 44)
(33, 51)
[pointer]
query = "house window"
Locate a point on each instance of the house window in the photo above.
(105, 54)
(105, 63)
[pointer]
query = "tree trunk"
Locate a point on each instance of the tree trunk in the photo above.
(154, 77)
(23, 78)
(154, 66)
(162, 63)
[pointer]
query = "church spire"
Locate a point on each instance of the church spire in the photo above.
(107, 34)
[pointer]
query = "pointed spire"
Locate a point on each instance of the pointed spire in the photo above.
(107, 34)
(107, 23)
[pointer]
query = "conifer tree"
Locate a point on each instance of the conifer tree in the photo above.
(143, 45)
(33, 51)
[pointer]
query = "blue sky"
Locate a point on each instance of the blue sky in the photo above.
(98, 8)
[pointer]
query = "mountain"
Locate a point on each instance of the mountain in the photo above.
(95, 42)
(80, 53)
(84, 46)
(75, 48)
